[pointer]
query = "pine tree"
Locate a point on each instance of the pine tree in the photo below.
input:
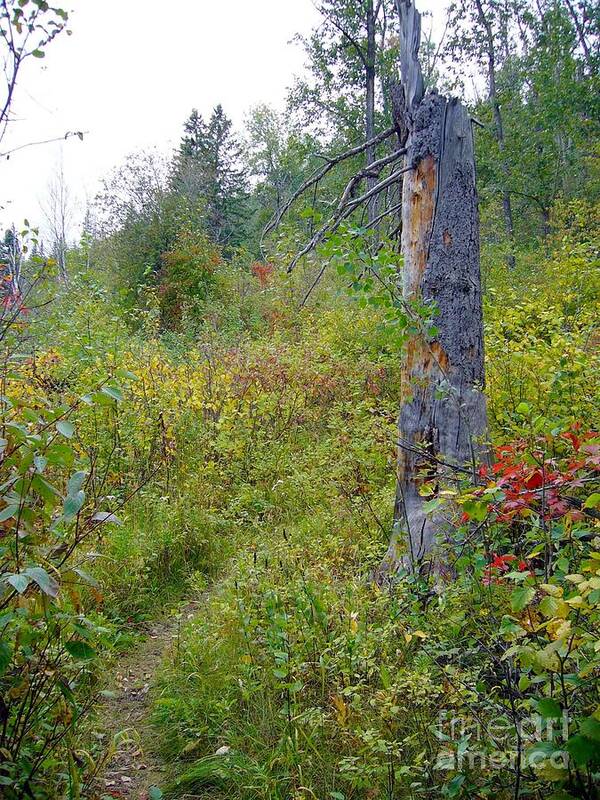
(207, 171)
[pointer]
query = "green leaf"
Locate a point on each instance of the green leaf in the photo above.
(5, 656)
(8, 512)
(582, 750)
(67, 693)
(521, 597)
(432, 505)
(548, 708)
(60, 454)
(73, 504)
(19, 582)
(594, 597)
(102, 399)
(523, 409)
(40, 463)
(154, 793)
(37, 53)
(524, 683)
(46, 583)
(112, 392)
(593, 501)
(46, 490)
(76, 482)
(30, 415)
(549, 606)
(590, 728)
(539, 752)
(477, 511)
(80, 650)
(66, 428)
(85, 577)
(125, 373)
(453, 787)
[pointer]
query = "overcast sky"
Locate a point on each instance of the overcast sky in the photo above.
(129, 76)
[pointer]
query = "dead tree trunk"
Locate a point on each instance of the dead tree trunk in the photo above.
(443, 421)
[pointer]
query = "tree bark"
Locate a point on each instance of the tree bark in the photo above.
(443, 418)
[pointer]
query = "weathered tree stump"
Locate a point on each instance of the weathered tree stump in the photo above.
(443, 420)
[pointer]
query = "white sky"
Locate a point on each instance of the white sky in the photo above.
(130, 75)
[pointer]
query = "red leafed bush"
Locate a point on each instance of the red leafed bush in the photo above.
(545, 478)
(262, 271)
(499, 564)
(548, 477)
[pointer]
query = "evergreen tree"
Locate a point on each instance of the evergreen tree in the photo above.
(207, 171)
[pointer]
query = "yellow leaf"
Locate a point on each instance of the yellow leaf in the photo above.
(550, 588)
(341, 708)
(575, 578)
(558, 628)
(576, 602)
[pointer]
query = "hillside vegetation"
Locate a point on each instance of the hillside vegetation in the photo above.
(184, 420)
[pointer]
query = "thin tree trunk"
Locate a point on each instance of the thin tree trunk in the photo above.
(370, 154)
(546, 226)
(443, 416)
(498, 124)
(580, 33)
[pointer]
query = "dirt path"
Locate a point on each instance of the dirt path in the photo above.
(135, 767)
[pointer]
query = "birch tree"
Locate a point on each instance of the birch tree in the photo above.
(58, 209)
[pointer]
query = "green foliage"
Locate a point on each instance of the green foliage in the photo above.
(188, 275)
(187, 420)
(542, 347)
(546, 84)
(331, 100)
(52, 509)
(255, 448)
(207, 169)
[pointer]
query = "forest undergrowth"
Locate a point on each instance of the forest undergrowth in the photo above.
(250, 460)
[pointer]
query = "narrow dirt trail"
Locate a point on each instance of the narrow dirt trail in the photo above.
(135, 767)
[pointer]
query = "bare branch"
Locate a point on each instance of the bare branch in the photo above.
(68, 134)
(343, 211)
(384, 214)
(317, 176)
(370, 171)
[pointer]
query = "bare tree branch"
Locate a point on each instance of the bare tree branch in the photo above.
(344, 209)
(317, 176)
(68, 134)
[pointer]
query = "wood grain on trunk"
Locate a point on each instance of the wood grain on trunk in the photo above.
(443, 414)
